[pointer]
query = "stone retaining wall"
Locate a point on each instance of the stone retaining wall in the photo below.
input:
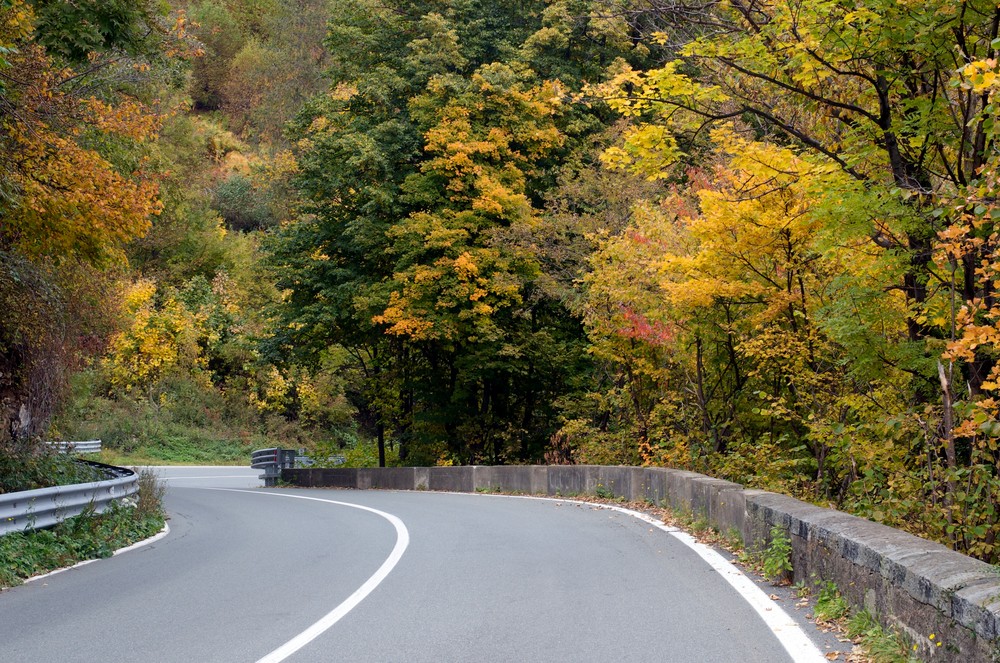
(917, 586)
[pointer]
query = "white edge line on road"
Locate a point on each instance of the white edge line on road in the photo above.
(335, 615)
(791, 636)
(789, 633)
(139, 544)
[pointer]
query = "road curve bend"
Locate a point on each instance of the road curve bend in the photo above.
(250, 574)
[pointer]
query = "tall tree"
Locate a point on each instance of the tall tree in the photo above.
(432, 151)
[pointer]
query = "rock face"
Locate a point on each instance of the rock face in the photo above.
(916, 586)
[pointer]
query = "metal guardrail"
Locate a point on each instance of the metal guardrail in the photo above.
(272, 461)
(45, 507)
(84, 447)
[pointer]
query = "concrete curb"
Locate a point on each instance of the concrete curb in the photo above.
(908, 583)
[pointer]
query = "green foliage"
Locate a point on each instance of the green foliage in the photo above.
(830, 605)
(74, 30)
(222, 38)
(241, 204)
(149, 501)
(28, 471)
(355, 452)
(422, 172)
(191, 425)
(776, 559)
(732, 539)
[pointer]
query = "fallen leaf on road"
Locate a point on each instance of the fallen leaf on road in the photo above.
(833, 656)
(775, 597)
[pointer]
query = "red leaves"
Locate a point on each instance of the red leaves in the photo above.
(641, 328)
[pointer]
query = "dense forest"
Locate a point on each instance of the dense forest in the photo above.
(753, 239)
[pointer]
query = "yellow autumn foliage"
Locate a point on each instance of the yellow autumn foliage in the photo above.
(159, 338)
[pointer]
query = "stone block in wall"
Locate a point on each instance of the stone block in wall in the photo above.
(654, 486)
(455, 479)
(569, 480)
(616, 481)
(509, 478)
(421, 478)
(325, 477)
(680, 493)
(393, 478)
(728, 508)
(708, 497)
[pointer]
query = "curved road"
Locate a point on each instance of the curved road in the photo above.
(390, 576)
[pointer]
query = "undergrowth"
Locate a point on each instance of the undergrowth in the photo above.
(28, 471)
(186, 424)
(830, 604)
(879, 645)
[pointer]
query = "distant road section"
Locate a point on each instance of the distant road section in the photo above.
(249, 574)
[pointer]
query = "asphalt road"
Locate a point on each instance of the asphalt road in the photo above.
(390, 576)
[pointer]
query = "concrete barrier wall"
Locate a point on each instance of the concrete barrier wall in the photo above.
(917, 586)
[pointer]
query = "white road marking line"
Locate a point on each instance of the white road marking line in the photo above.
(335, 615)
(791, 636)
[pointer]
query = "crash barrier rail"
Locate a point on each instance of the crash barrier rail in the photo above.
(45, 507)
(84, 447)
(946, 604)
(272, 461)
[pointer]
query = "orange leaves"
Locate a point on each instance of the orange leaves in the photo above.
(464, 267)
(128, 118)
(402, 321)
(70, 201)
(74, 203)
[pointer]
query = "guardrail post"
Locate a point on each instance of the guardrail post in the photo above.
(272, 461)
(267, 460)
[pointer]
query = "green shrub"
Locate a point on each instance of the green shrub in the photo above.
(776, 561)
